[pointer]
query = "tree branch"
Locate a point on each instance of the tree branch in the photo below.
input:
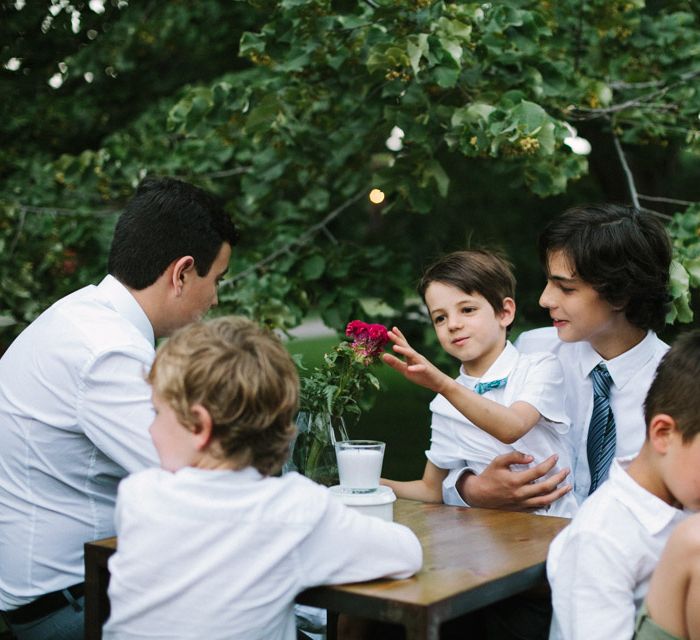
(687, 203)
(297, 242)
(626, 169)
(20, 228)
(57, 211)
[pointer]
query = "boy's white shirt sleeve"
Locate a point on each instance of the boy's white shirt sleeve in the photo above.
(346, 546)
(450, 495)
(543, 389)
(592, 588)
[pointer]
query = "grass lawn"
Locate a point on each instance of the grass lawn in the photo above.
(400, 416)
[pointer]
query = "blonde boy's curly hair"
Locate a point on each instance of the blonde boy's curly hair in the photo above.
(243, 376)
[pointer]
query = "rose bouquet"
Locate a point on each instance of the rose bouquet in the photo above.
(332, 393)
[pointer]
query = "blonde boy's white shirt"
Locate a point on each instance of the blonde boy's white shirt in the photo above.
(74, 415)
(222, 554)
(534, 378)
(599, 567)
(632, 373)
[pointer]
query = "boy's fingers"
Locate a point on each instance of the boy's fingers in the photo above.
(540, 501)
(397, 331)
(505, 460)
(393, 362)
(543, 468)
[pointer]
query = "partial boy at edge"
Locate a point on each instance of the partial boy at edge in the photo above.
(211, 545)
(599, 567)
(502, 400)
(670, 610)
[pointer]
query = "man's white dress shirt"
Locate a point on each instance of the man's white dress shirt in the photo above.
(533, 378)
(223, 554)
(74, 415)
(632, 373)
(599, 567)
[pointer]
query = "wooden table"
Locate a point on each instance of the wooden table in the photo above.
(472, 558)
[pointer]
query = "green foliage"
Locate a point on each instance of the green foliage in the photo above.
(284, 109)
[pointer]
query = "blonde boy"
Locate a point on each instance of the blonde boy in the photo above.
(599, 567)
(211, 545)
(502, 401)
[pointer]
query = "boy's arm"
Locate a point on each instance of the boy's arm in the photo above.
(347, 546)
(427, 489)
(507, 424)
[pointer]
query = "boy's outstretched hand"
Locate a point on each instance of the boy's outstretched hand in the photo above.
(415, 367)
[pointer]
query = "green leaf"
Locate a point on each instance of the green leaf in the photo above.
(312, 268)
(417, 47)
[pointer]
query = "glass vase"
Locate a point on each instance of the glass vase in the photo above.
(313, 452)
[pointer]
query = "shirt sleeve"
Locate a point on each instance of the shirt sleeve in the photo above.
(450, 495)
(592, 589)
(543, 388)
(115, 408)
(443, 452)
(347, 546)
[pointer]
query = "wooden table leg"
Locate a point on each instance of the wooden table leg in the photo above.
(422, 627)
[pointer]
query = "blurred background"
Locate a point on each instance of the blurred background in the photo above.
(468, 124)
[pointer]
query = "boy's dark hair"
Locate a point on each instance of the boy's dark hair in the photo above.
(473, 271)
(623, 253)
(674, 390)
(165, 220)
(243, 376)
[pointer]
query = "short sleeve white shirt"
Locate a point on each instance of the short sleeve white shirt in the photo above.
(632, 373)
(74, 415)
(599, 567)
(534, 378)
(222, 554)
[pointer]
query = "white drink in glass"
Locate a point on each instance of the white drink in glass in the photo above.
(359, 464)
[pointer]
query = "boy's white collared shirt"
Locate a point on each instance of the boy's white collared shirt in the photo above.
(232, 549)
(631, 372)
(533, 378)
(599, 567)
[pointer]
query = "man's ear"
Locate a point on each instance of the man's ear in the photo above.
(180, 268)
(203, 426)
(507, 315)
(661, 431)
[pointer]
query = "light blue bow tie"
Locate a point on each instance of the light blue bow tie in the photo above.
(482, 387)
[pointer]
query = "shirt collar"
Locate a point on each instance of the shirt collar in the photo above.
(624, 366)
(500, 369)
(126, 305)
(651, 511)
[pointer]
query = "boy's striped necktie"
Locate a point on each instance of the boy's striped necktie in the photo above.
(601, 432)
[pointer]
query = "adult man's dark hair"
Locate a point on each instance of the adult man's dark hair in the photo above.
(165, 220)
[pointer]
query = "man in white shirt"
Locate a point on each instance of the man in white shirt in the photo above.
(75, 407)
